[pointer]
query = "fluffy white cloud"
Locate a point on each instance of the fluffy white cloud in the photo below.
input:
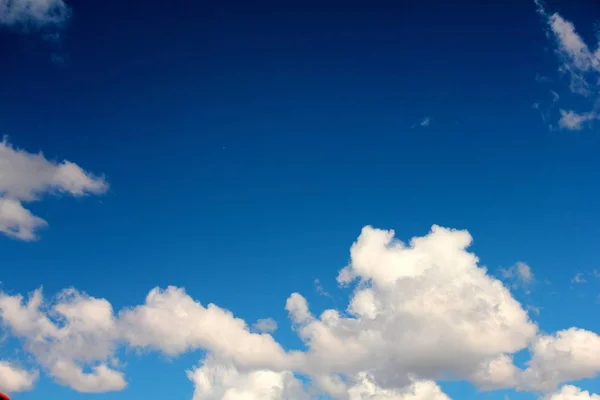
(496, 373)
(17, 221)
(36, 13)
(26, 177)
(572, 393)
(366, 389)
(219, 380)
(418, 312)
(423, 309)
(75, 332)
(172, 322)
(14, 379)
(101, 379)
(567, 355)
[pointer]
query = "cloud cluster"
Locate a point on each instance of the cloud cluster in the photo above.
(423, 309)
(74, 332)
(33, 13)
(419, 312)
(26, 177)
(580, 63)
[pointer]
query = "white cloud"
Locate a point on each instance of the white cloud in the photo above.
(418, 312)
(569, 392)
(17, 221)
(216, 379)
(33, 13)
(14, 379)
(497, 373)
(365, 388)
(26, 177)
(567, 355)
(425, 122)
(266, 325)
(578, 278)
(74, 332)
(172, 322)
(520, 272)
(573, 121)
(571, 45)
(580, 63)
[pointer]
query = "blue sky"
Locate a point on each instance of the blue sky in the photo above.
(232, 154)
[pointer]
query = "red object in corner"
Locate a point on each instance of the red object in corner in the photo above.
(4, 397)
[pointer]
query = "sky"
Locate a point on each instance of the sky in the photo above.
(221, 201)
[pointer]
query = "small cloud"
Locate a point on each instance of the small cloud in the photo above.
(541, 78)
(573, 121)
(266, 325)
(34, 14)
(425, 122)
(520, 273)
(319, 288)
(578, 278)
(534, 309)
(596, 273)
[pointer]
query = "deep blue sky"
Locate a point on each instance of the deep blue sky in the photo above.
(246, 146)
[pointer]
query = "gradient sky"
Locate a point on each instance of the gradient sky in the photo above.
(243, 149)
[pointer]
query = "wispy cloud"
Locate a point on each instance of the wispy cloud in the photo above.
(520, 274)
(574, 122)
(578, 278)
(541, 78)
(320, 289)
(577, 61)
(34, 14)
(424, 123)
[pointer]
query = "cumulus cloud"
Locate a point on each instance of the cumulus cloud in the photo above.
(172, 322)
(580, 63)
(569, 392)
(34, 13)
(26, 177)
(366, 389)
(418, 312)
(567, 355)
(14, 379)
(216, 379)
(75, 332)
(422, 309)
